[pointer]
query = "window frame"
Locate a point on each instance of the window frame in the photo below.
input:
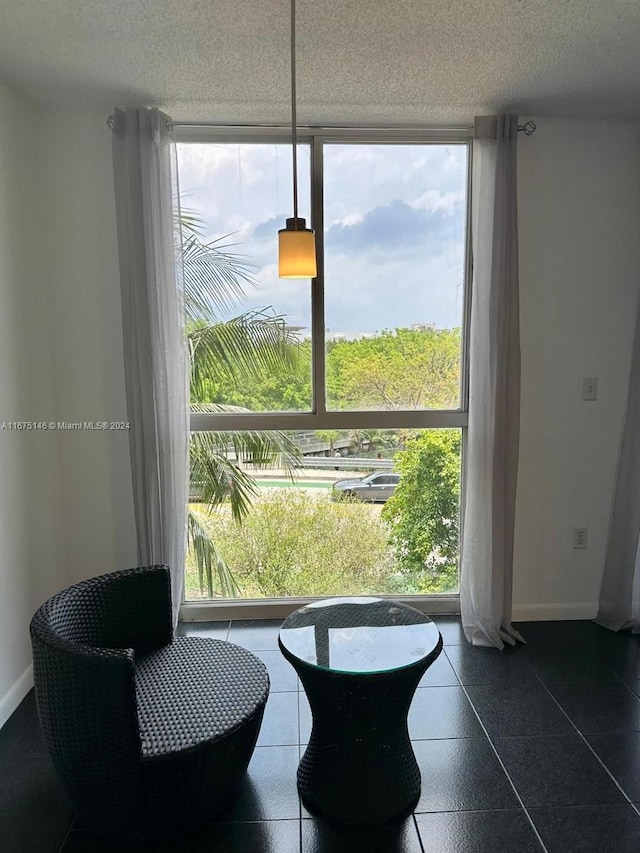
(319, 418)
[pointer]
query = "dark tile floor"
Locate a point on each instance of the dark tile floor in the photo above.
(532, 749)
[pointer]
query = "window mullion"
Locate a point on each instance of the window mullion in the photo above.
(375, 419)
(317, 285)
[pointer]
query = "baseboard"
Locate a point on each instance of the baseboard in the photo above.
(552, 612)
(14, 696)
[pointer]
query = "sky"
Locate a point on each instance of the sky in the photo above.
(393, 232)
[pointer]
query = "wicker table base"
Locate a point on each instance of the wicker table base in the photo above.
(359, 766)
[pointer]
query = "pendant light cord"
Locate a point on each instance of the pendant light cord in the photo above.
(294, 127)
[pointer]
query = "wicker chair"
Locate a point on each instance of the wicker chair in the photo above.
(150, 735)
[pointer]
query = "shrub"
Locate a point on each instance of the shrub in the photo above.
(295, 544)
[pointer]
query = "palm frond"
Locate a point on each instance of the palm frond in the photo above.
(252, 344)
(209, 562)
(215, 459)
(214, 279)
(187, 222)
(217, 477)
(274, 448)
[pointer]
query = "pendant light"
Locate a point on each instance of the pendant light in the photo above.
(296, 242)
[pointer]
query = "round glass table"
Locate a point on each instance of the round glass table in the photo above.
(360, 661)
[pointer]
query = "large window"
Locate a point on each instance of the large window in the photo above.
(357, 376)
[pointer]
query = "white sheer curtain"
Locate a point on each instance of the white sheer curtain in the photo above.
(620, 590)
(154, 344)
(494, 389)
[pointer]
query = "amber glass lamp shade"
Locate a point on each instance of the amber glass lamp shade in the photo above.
(296, 250)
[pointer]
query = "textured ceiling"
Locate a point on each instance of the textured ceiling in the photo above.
(359, 61)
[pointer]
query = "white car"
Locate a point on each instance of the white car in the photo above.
(375, 488)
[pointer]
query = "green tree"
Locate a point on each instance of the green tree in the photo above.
(424, 511)
(394, 370)
(329, 435)
(370, 440)
(404, 369)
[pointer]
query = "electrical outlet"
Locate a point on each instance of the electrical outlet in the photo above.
(580, 537)
(590, 388)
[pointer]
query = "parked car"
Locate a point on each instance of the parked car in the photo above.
(374, 488)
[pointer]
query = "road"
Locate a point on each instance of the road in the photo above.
(318, 481)
(298, 484)
(318, 488)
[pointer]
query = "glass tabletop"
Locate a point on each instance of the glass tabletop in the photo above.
(359, 635)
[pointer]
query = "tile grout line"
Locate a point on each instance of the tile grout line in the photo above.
(477, 810)
(624, 683)
(417, 829)
(299, 758)
(297, 692)
(299, 825)
(635, 807)
(67, 834)
(504, 769)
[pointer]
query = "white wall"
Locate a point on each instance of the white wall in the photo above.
(82, 265)
(65, 496)
(579, 215)
(29, 542)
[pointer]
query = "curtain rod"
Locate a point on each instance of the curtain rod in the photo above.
(528, 128)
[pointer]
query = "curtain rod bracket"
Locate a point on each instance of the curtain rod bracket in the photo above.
(111, 120)
(528, 128)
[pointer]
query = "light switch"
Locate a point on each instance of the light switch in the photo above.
(590, 388)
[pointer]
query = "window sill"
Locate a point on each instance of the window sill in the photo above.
(280, 608)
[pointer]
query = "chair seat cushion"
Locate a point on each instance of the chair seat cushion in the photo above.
(195, 690)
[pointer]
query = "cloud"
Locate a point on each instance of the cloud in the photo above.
(365, 296)
(394, 216)
(434, 200)
(270, 227)
(396, 226)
